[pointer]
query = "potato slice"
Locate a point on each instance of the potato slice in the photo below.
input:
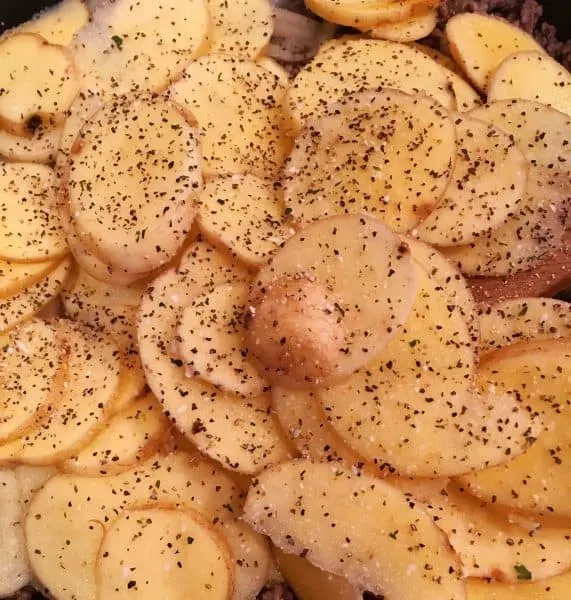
(236, 103)
(58, 24)
(30, 480)
(444, 60)
(330, 300)
(274, 67)
(15, 276)
(417, 26)
(487, 185)
(14, 570)
(550, 82)
(244, 213)
(359, 174)
(40, 147)
(554, 588)
(538, 374)
(479, 43)
(29, 224)
(138, 217)
(314, 509)
(349, 65)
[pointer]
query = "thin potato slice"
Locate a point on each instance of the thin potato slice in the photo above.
(357, 527)
(132, 384)
(479, 43)
(348, 65)
(58, 24)
(274, 67)
(40, 147)
(539, 375)
(30, 480)
(487, 185)
(330, 300)
(532, 76)
(15, 276)
(30, 229)
(357, 147)
(417, 26)
(554, 588)
(236, 103)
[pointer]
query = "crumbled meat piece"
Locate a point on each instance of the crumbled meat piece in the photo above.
(278, 591)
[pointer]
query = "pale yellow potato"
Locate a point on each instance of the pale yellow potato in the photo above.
(58, 24)
(358, 174)
(274, 67)
(442, 59)
(164, 551)
(41, 147)
(132, 384)
(349, 65)
(237, 104)
(479, 43)
(539, 375)
(417, 26)
(358, 527)
(30, 480)
(532, 75)
(15, 276)
(487, 185)
(554, 588)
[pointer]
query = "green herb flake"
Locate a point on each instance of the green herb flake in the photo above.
(523, 573)
(118, 41)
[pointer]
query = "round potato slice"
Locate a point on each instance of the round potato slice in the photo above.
(487, 184)
(40, 147)
(133, 179)
(349, 65)
(30, 228)
(330, 300)
(552, 588)
(415, 27)
(58, 24)
(274, 67)
(14, 276)
(357, 148)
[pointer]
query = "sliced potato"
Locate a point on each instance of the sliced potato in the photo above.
(163, 551)
(274, 67)
(58, 24)
(30, 480)
(236, 103)
(357, 527)
(29, 64)
(479, 43)
(16, 276)
(348, 65)
(442, 59)
(417, 26)
(357, 147)
(40, 147)
(535, 76)
(132, 384)
(330, 300)
(554, 588)
(487, 185)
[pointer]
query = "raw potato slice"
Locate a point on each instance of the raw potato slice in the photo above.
(539, 375)
(274, 67)
(240, 28)
(442, 59)
(30, 480)
(14, 276)
(14, 570)
(415, 27)
(479, 44)
(487, 185)
(130, 437)
(59, 24)
(30, 64)
(33, 366)
(41, 147)
(135, 209)
(211, 340)
(164, 551)
(532, 76)
(348, 65)
(523, 320)
(330, 300)
(30, 228)
(237, 104)
(25, 304)
(357, 527)
(132, 384)
(244, 213)
(554, 588)
(357, 149)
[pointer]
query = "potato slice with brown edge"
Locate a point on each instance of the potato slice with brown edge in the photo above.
(479, 43)
(554, 588)
(538, 374)
(357, 527)
(131, 436)
(137, 216)
(349, 65)
(15, 276)
(58, 24)
(244, 213)
(413, 409)
(236, 103)
(29, 224)
(29, 64)
(417, 26)
(488, 183)
(163, 551)
(357, 147)
(532, 76)
(523, 320)
(41, 147)
(90, 504)
(211, 340)
(330, 300)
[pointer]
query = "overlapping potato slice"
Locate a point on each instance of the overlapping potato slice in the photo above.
(330, 300)
(538, 374)
(81, 509)
(479, 43)
(487, 184)
(357, 148)
(40, 147)
(357, 527)
(349, 65)
(58, 24)
(15, 276)
(133, 179)
(550, 84)
(417, 26)
(553, 588)
(244, 213)
(30, 480)
(274, 67)
(236, 103)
